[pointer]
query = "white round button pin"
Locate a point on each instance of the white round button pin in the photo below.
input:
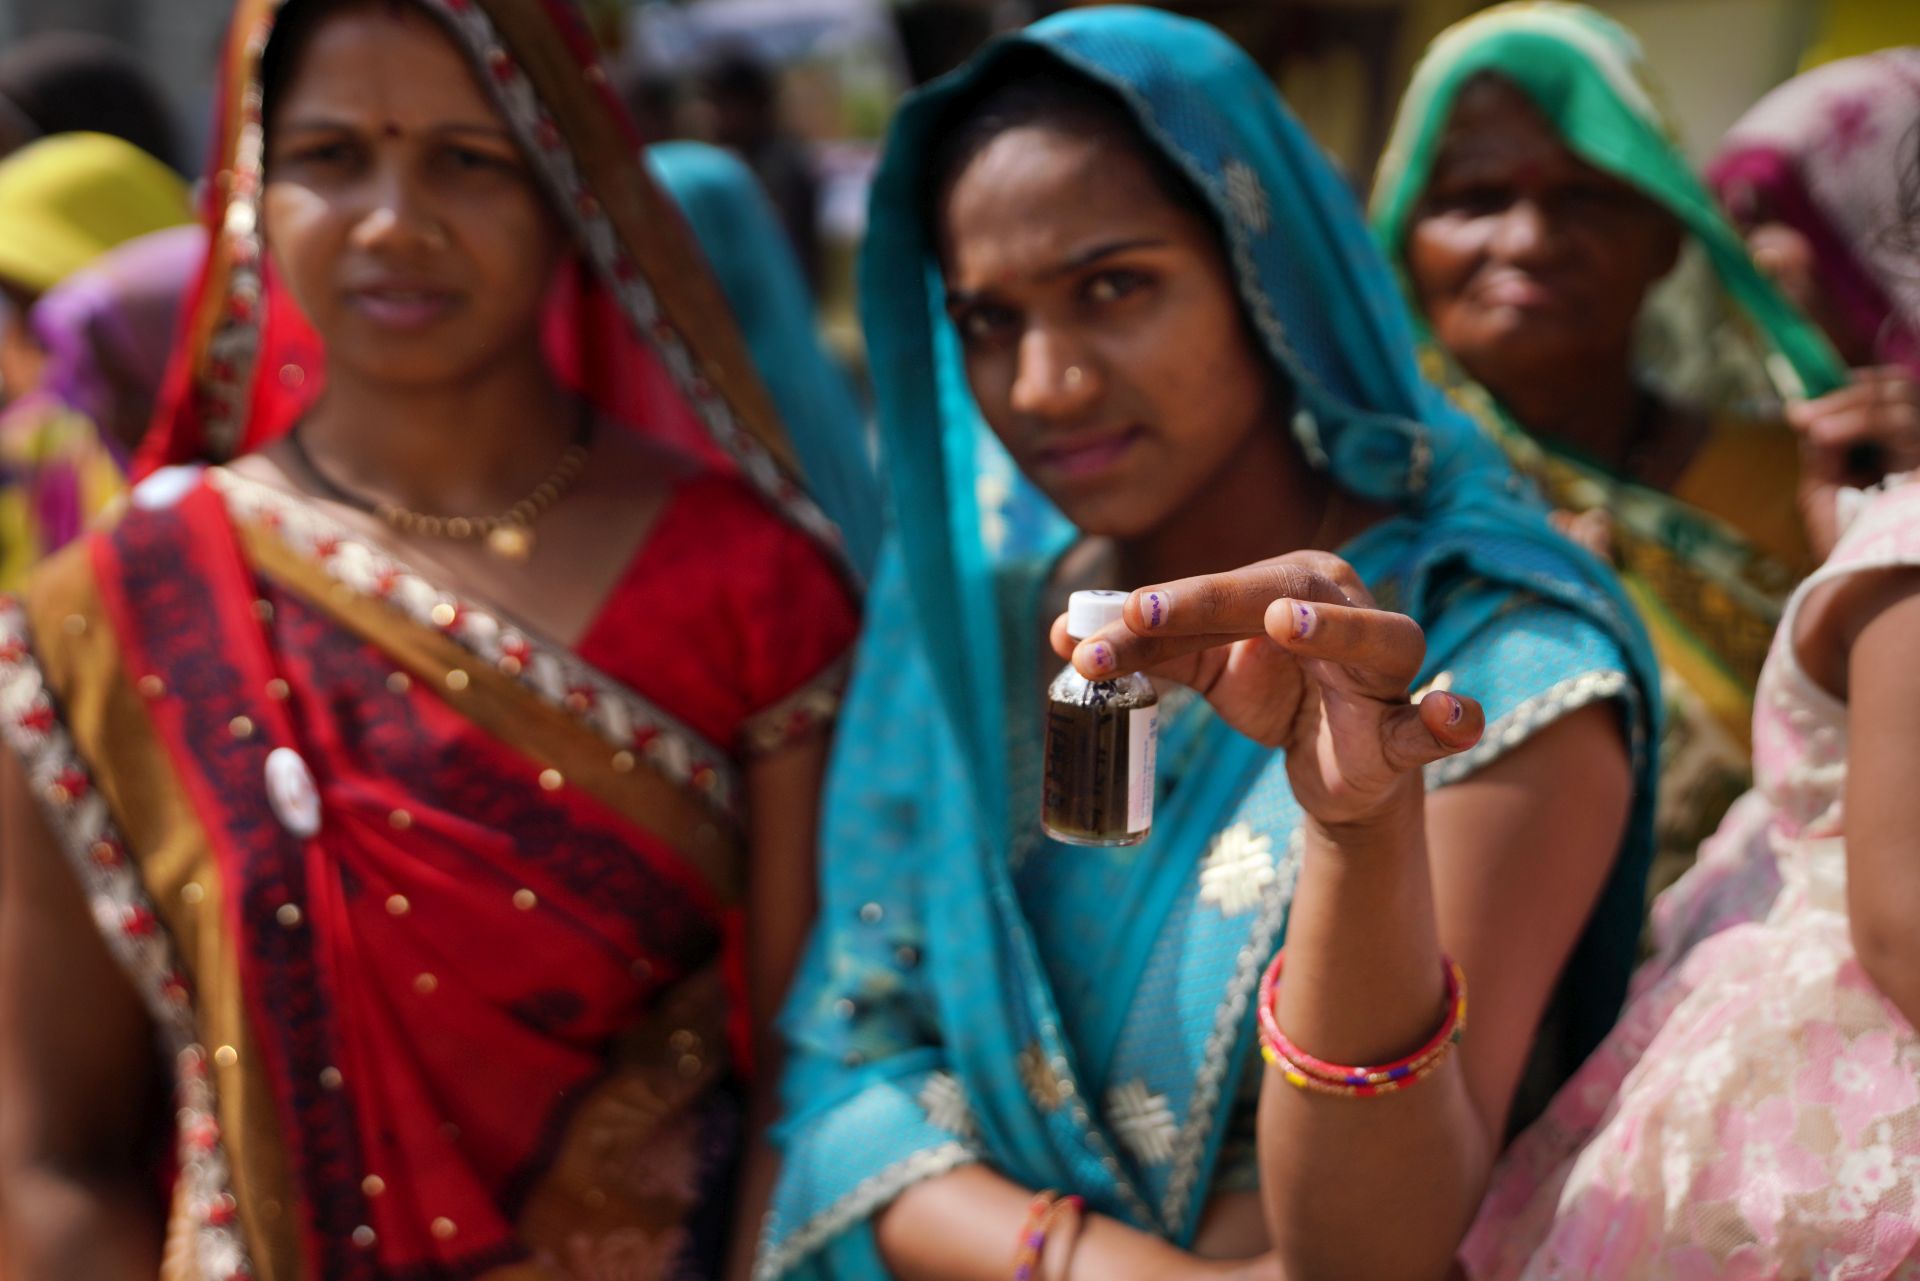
(292, 794)
(166, 487)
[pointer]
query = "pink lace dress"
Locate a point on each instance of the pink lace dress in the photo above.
(1756, 1113)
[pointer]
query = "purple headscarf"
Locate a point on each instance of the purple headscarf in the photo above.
(65, 444)
(108, 330)
(1833, 154)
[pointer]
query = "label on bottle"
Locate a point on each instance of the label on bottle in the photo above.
(1143, 746)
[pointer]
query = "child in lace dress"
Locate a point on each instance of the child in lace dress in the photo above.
(1756, 1112)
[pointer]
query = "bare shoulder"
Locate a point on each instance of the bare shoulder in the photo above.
(1835, 614)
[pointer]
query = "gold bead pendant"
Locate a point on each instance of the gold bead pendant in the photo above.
(510, 542)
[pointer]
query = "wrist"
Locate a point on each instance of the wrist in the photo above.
(1395, 824)
(1109, 1249)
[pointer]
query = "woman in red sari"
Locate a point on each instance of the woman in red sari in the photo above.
(385, 808)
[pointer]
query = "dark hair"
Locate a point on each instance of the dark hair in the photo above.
(71, 82)
(939, 35)
(1031, 88)
(738, 73)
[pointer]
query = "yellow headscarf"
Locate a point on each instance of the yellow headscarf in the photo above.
(67, 199)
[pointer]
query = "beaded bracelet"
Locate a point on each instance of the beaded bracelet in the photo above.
(1304, 1071)
(1033, 1239)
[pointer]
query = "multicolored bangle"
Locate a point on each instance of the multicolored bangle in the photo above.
(1044, 1215)
(1304, 1071)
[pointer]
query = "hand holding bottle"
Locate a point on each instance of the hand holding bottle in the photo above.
(1293, 653)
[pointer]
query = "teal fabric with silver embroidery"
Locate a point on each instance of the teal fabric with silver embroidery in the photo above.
(973, 993)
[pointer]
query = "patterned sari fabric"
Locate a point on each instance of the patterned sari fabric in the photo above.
(438, 920)
(1083, 1020)
(1757, 1111)
(1827, 153)
(1709, 565)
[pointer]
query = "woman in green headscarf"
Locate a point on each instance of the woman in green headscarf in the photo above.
(1577, 283)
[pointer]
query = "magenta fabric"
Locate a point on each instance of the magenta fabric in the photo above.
(1834, 153)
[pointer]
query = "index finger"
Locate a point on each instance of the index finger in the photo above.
(1234, 603)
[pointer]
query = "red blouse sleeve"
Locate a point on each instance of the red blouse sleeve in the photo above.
(732, 620)
(800, 622)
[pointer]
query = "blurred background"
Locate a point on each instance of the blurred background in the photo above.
(802, 89)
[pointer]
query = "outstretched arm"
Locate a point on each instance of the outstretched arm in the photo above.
(1500, 873)
(1502, 879)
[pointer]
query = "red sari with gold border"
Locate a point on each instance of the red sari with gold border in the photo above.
(437, 919)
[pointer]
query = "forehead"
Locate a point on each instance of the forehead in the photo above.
(1038, 192)
(389, 61)
(1494, 123)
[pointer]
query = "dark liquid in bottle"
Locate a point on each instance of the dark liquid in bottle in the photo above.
(1092, 778)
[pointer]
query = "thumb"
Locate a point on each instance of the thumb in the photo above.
(1441, 725)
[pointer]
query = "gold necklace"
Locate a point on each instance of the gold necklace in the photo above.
(508, 535)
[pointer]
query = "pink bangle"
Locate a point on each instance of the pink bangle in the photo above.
(1304, 1071)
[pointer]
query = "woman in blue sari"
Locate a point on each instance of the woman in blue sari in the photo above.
(1109, 231)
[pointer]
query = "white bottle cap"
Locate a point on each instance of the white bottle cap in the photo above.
(1088, 612)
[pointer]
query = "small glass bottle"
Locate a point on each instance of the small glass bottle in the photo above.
(1102, 738)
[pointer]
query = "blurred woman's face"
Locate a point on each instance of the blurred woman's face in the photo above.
(1103, 338)
(1528, 263)
(398, 207)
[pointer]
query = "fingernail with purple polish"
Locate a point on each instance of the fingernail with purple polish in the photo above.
(1457, 709)
(1100, 656)
(1304, 620)
(1155, 605)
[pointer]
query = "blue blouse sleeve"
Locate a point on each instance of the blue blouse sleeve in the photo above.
(1530, 664)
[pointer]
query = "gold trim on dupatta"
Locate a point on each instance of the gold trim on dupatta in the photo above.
(502, 707)
(192, 980)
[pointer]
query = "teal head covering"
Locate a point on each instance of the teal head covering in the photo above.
(1588, 76)
(1328, 313)
(740, 233)
(925, 1029)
